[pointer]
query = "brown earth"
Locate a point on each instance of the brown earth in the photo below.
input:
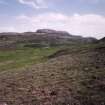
(74, 78)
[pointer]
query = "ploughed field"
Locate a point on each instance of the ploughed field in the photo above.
(60, 75)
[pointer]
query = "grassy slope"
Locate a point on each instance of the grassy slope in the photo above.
(23, 57)
(75, 78)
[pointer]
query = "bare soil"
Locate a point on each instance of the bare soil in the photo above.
(76, 78)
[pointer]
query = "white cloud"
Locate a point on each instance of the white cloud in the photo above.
(85, 25)
(34, 3)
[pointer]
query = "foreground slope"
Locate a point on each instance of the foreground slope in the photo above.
(72, 76)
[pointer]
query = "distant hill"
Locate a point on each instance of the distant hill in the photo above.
(102, 40)
(42, 37)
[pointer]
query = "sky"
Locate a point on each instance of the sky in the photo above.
(78, 17)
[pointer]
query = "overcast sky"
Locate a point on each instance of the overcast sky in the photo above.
(79, 17)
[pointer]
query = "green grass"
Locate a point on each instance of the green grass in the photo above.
(24, 57)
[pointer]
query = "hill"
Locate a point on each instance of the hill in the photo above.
(49, 67)
(41, 38)
(102, 40)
